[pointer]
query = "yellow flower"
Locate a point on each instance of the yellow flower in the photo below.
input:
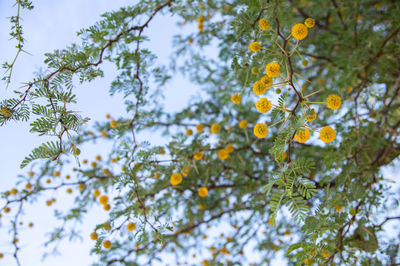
(327, 134)
(229, 148)
(131, 226)
(14, 191)
(310, 23)
(81, 186)
(31, 174)
(325, 254)
(255, 47)
(189, 132)
(176, 179)
(106, 207)
(200, 19)
(103, 200)
(103, 134)
(263, 105)
(7, 210)
(93, 164)
(272, 69)
(96, 193)
(162, 151)
(223, 154)
(299, 31)
(284, 156)
(69, 190)
(338, 208)
(6, 112)
(107, 244)
(263, 24)
(200, 128)
(203, 191)
(198, 156)
(56, 174)
(311, 117)
(267, 81)
(157, 175)
(94, 236)
(215, 128)
(333, 101)
(260, 130)
(28, 186)
(113, 124)
(259, 88)
(243, 124)
(302, 135)
(236, 99)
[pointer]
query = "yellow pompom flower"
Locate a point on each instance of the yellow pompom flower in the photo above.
(333, 101)
(103, 200)
(200, 128)
(96, 193)
(94, 236)
(229, 148)
(299, 31)
(28, 186)
(223, 154)
(302, 135)
(189, 132)
(113, 124)
(107, 244)
(325, 254)
(284, 156)
(311, 117)
(263, 105)
(104, 134)
(106, 207)
(6, 210)
(56, 174)
(263, 24)
(215, 128)
(14, 191)
(267, 81)
(6, 112)
(203, 192)
(236, 99)
(176, 179)
(81, 186)
(198, 156)
(260, 130)
(131, 226)
(69, 190)
(31, 174)
(254, 47)
(310, 23)
(243, 124)
(327, 134)
(259, 88)
(272, 69)
(338, 208)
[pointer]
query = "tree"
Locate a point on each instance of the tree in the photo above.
(300, 117)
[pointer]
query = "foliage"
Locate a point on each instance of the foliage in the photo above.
(319, 179)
